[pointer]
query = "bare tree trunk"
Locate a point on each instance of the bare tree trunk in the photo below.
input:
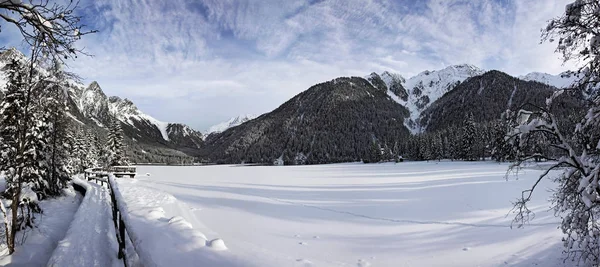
(6, 223)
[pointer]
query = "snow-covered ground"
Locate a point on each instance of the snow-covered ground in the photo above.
(35, 246)
(407, 214)
(91, 238)
(164, 231)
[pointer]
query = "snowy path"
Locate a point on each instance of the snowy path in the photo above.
(90, 240)
(163, 230)
(410, 214)
(52, 226)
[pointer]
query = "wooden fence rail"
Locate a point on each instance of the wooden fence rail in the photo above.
(102, 176)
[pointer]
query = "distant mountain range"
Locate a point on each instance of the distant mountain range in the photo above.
(235, 121)
(337, 121)
(334, 121)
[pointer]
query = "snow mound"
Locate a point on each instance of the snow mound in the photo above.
(155, 213)
(164, 241)
(217, 244)
(180, 222)
(303, 262)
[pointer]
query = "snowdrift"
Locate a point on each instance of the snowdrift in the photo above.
(162, 240)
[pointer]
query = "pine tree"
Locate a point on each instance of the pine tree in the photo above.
(436, 147)
(93, 149)
(114, 144)
(58, 154)
(374, 154)
(22, 145)
(468, 139)
(11, 123)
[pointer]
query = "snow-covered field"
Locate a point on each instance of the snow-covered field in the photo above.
(407, 214)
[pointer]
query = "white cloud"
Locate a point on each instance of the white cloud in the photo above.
(218, 58)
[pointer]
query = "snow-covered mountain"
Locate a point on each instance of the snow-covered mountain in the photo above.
(418, 92)
(92, 109)
(333, 121)
(562, 80)
(96, 106)
(235, 121)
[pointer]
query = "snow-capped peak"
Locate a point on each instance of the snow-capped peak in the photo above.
(235, 121)
(127, 112)
(418, 92)
(562, 80)
(390, 78)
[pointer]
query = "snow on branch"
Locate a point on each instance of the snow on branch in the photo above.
(55, 27)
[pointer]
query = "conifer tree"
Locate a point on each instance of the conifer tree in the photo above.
(115, 144)
(468, 139)
(59, 148)
(22, 147)
(93, 149)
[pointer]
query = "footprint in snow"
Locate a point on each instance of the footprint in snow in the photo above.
(363, 263)
(302, 243)
(303, 262)
(466, 249)
(316, 237)
(297, 236)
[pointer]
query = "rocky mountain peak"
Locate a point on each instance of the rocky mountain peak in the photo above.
(11, 53)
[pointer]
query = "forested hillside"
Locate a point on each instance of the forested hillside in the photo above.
(335, 121)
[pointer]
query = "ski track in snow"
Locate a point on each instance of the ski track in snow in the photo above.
(406, 221)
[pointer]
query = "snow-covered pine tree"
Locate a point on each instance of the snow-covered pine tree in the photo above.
(577, 197)
(499, 149)
(388, 154)
(11, 107)
(468, 139)
(93, 149)
(115, 144)
(77, 144)
(426, 148)
(436, 147)
(58, 138)
(374, 153)
(21, 147)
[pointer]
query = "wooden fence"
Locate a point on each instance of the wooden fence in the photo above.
(102, 176)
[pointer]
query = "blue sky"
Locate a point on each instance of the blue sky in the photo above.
(202, 62)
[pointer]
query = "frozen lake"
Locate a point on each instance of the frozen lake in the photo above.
(406, 214)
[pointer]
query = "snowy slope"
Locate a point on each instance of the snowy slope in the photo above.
(562, 80)
(235, 121)
(426, 87)
(128, 113)
(408, 214)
